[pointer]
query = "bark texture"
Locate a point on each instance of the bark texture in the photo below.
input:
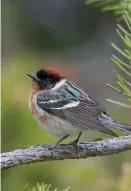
(46, 152)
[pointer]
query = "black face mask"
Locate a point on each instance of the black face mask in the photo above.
(47, 83)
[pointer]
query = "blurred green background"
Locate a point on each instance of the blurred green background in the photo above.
(75, 38)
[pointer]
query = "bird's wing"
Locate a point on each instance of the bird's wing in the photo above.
(79, 111)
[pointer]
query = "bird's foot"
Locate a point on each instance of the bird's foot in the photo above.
(74, 143)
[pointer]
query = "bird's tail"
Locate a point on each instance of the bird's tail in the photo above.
(121, 126)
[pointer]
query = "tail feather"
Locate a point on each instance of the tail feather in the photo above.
(109, 122)
(121, 126)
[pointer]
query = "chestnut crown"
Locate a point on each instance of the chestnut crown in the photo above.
(46, 78)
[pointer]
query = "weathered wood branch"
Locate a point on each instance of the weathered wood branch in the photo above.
(47, 152)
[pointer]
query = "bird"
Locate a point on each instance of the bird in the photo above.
(64, 109)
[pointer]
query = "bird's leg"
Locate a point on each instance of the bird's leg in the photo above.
(63, 138)
(76, 140)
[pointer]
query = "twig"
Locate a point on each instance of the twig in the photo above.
(47, 152)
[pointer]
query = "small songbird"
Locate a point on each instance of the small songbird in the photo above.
(64, 109)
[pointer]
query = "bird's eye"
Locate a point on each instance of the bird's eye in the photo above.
(41, 75)
(45, 82)
(104, 112)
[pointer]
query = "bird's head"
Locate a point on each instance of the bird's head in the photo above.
(46, 78)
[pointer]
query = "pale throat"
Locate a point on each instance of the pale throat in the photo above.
(35, 87)
(32, 98)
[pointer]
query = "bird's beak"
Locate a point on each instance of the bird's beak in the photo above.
(33, 76)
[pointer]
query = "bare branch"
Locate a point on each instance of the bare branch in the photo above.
(47, 152)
